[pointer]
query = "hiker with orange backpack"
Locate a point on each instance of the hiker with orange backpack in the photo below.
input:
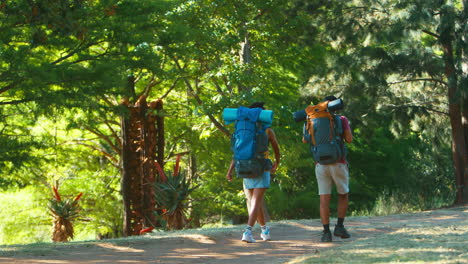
(327, 133)
(249, 143)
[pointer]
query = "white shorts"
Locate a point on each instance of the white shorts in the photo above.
(333, 173)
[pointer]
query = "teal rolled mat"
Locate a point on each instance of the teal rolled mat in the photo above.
(230, 116)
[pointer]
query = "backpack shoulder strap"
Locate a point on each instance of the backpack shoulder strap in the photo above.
(311, 131)
(339, 125)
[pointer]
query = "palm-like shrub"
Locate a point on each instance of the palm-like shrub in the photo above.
(63, 211)
(172, 195)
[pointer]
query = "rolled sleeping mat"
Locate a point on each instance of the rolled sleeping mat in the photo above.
(230, 116)
(335, 105)
(266, 116)
(300, 116)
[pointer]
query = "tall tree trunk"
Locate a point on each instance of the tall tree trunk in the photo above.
(132, 178)
(465, 132)
(126, 159)
(139, 143)
(245, 58)
(125, 177)
(160, 139)
(458, 149)
(464, 85)
(147, 156)
(455, 111)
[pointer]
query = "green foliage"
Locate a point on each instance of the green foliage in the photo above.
(65, 67)
(24, 216)
(303, 204)
(406, 201)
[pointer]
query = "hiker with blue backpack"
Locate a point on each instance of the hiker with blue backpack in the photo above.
(327, 132)
(249, 143)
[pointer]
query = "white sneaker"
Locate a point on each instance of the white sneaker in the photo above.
(248, 237)
(265, 234)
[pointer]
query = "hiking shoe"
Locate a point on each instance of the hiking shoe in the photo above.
(340, 231)
(326, 236)
(265, 234)
(248, 237)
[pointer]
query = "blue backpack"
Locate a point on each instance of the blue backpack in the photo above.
(249, 142)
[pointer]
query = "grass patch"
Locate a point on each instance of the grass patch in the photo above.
(413, 242)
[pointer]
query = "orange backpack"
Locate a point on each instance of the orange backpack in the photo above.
(324, 131)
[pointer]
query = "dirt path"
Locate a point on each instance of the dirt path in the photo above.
(290, 240)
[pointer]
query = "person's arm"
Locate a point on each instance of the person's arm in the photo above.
(347, 135)
(229, 173)
(274, 143)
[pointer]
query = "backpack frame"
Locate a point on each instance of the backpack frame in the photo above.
(323, 130)
(249, 142)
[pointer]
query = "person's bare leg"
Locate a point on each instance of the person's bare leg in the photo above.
(340, 230)
(325, 208)
(325, 217)
(248, 197)
(256, 206)
(342, 205)
(261, 212)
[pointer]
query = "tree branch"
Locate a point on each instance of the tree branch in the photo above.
(170, 89)
(114, 134)
(218, 88)
(419, 107)
(431, 33)
(73, 52)
(200, 102)
(419, 80)
(108, 101)
(150, 86)
(111, 158)
(105, 138)
(8, 87)
(15, 102)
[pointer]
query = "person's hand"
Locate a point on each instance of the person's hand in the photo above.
(274, 167)
(229, 177)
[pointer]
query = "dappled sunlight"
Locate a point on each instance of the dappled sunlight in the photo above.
(430, 239)
(202, 254)
(451, 230)
(442, 217)
(119, 248)
(371, 229)
(380, 251)
(306, 227)
(199, 238)
(429, 250)
(38, 261)
(325, 245)
(123, 261)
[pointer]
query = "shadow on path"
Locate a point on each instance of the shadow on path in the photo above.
(290, 240)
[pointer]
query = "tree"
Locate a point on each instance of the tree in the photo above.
(410, 64)
(59, 56)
